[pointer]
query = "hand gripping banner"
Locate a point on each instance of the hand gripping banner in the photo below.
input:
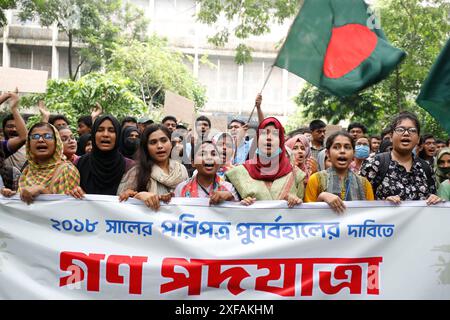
(98, 248)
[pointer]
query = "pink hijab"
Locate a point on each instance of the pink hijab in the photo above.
(305, 142)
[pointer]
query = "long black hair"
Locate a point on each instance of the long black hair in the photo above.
(6, 172)
(144, 161)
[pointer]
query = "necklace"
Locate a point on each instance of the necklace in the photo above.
(203, 188)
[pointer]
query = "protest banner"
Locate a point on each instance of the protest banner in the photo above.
(219, 123)
(330, 129)
(27, 81)
(98, 248)
(180, 107)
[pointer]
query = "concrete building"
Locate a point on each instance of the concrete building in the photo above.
(231, 89)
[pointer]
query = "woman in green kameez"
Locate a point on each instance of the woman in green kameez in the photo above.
(269, 175)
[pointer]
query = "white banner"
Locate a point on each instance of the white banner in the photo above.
(98, 248)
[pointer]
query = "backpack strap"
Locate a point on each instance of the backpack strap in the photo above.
(427, 168)
(384, 159)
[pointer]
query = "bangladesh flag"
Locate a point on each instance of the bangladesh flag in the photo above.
(334, 45)
(435, 92)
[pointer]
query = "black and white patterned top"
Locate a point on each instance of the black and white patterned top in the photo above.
(411, 185)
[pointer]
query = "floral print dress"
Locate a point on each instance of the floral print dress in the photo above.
(411, 185)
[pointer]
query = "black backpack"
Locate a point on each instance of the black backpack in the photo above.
(385, 160)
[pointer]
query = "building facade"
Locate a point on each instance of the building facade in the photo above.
(231, 88)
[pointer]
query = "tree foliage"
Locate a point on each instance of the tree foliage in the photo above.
(115, 93)
(97, 24)
(252, 18)
(419, 29)
(134, 84)
(4, 5)
(154, 68)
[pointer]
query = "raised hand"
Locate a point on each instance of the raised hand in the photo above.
(97, 111)
(45, 114)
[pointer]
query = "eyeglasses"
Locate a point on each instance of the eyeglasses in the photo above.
(402, 130)
(45, 136)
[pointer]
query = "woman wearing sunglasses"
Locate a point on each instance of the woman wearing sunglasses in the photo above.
(47, 172)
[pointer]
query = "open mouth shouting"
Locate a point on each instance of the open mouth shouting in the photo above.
(405, 142)
(42, 148)
(342, 161)
(161, 154)
(209, 166)
(105, 142)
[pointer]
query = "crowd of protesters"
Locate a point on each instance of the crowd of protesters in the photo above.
(153, 162)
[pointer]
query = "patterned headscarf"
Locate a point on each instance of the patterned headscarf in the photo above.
(41, 174)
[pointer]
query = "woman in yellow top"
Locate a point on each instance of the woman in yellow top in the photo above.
(338, 184)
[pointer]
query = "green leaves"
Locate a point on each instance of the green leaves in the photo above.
(250, 18)
(98, 24)
(243, 54)
(5, 4)
(154, 68)
(418, 28)
(76, 98)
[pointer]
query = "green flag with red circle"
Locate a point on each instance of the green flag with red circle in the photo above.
(336, 46)
(435, 92)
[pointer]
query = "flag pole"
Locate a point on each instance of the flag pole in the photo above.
(278, 54)
(260, 92)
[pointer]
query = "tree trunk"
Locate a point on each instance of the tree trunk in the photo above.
(69, 56)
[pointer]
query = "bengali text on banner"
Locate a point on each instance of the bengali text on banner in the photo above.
(98, 248)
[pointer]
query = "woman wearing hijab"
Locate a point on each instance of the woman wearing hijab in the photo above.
(442, 167)
(84, 140)
(225, 145)
(129, 141)
(323, 161)
(270, 175)
(155, 175)
(102, 170)
(47, 171)
(301, 155)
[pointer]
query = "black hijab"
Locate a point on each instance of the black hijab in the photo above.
(82, 142)
(101, 171)
(127, 146)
